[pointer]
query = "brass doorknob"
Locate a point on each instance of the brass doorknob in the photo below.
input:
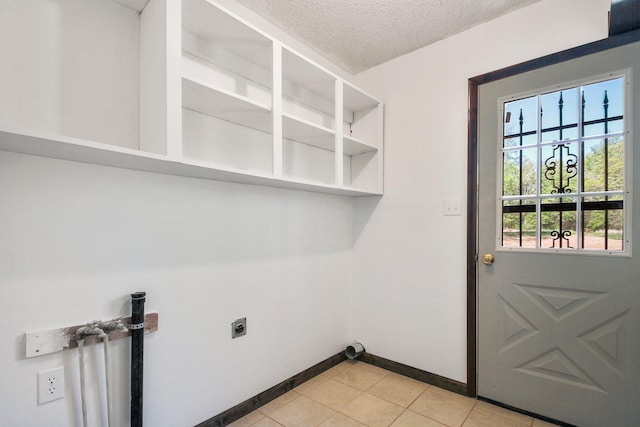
(488, 259)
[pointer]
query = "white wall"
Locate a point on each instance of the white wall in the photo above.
(70, 68)
(77, 239)
(409, 295)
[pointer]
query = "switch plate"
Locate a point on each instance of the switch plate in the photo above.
(452, 207)
(50, 385)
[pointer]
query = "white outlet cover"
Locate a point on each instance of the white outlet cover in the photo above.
(50, 385)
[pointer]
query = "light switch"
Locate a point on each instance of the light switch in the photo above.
(452, 207)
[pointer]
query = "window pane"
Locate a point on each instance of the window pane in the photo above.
(559, 170)
(520, 116)
(604, 165)
(559, 115)
(519, 223)
(558, 219)
(519, 172)
(603, 223)
(603, 107)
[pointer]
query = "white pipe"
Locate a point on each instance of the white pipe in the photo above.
(83, 393)
(81, 334)
(114, 325)
(105, 344)
(102, 330)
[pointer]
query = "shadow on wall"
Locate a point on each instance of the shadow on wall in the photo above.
(363, 208)
(66, 217)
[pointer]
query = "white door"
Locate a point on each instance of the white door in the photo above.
(558, 312)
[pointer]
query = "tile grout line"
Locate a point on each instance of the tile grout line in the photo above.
(467, 417)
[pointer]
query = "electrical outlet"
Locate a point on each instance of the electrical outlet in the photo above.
(50, 385)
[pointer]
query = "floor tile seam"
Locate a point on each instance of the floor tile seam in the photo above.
(314, 387)
(360, 393)
(426, 416)
(333, 412)
(416, 398)
(469, 413)
(351, 418)
(373, 368)
(386, 400)
(323, 405)
(362, 422)
(390, 401)
(396, 418)
(377, 382)
(352, 386)
(427, 390)
(283, 406)
(267, 416)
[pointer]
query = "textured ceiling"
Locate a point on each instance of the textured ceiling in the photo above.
(359, 34)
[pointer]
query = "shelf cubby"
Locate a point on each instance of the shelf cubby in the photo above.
(78, 79)
(308, 119)
(362, 140)
(227, 119)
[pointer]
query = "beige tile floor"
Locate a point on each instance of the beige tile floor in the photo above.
(356, 394)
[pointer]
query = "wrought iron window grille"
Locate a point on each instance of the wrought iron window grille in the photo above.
(561, 194)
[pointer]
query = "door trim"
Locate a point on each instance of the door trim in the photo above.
(472, 175)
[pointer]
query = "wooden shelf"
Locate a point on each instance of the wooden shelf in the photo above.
(225, 105)
(303, 131)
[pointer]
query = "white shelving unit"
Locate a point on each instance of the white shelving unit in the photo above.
(182, 87)
(362, 140)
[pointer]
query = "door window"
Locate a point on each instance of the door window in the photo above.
(564, 169)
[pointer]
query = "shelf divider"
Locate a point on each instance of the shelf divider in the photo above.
(276, 109)
(339, 140)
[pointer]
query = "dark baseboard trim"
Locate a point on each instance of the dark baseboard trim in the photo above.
(415, 373)
(250, 405)
(521, 411)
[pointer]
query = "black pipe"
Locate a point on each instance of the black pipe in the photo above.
(137, 359)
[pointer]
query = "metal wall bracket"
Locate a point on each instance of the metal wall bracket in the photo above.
(54, 340)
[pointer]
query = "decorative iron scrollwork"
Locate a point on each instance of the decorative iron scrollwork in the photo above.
(561, 166)
(560, 237)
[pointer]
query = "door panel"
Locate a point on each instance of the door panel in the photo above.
(558, 334)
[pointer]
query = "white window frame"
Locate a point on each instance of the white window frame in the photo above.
(626, 75)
